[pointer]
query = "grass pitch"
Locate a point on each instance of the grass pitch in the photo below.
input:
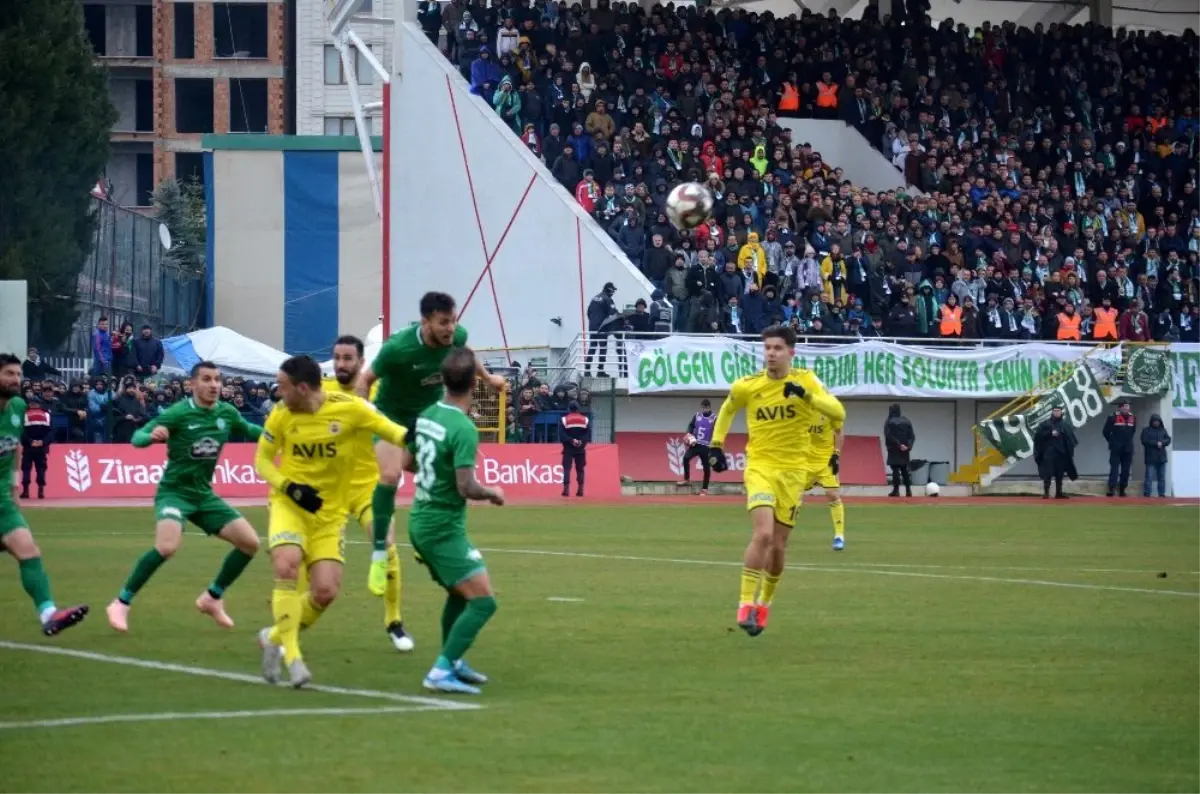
(949, 648)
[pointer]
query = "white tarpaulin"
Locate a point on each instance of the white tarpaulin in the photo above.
(233, 353)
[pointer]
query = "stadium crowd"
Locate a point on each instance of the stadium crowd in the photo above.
(1053, 171)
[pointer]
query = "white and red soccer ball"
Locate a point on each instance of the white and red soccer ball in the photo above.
(689, 205)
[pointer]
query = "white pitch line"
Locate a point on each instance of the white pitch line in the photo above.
(205, 672)
(839, 566)
(565, 600)
(865, 571)
(178, 716)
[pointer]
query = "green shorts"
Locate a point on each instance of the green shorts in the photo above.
(208, 512)
(11, 518)
(447, 552)
(407, 421)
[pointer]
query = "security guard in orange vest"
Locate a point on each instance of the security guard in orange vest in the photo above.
(1106, 322)
(827, 95)
(1068, 324)
(789, 101)
(951, 323)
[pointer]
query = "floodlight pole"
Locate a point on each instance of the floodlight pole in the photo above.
(343, 39)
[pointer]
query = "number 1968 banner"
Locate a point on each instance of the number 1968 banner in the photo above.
(863, 369)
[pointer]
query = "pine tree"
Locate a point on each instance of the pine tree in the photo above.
(182, 208)
(55, 117)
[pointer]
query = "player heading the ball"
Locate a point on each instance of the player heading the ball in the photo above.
(408, 371)
(781, 403)
(314, 434)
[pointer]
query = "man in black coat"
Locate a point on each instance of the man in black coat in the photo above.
(601, 313)
(35, 443)
(1119, 431)
(898, 437)
(1054, 453)
(575, 430)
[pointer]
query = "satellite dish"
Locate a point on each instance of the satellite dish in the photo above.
(164, 236)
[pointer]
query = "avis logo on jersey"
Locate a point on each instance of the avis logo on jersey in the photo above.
(321, 449)
(775, 413)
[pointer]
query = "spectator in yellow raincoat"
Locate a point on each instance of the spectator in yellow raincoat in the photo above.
(753, 256)
(833, 273)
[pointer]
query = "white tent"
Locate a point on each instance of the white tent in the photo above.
(233, 353)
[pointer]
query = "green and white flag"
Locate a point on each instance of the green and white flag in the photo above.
(1149, 371)
(1079, 397)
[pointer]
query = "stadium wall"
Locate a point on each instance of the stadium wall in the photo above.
(943, 427)
(843, 146)
(295, 246)
(475, 214)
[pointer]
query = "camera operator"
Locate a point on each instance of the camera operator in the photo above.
(699, 435)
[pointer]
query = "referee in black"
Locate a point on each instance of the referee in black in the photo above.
(575, 430)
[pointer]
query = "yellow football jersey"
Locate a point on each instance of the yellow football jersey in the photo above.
(366, 468)
(778, 426)
(319, 449)
(821, 434)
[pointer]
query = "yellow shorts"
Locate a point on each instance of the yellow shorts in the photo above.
(823, 477)
(319, 537)
(779, 489)
(360, 506)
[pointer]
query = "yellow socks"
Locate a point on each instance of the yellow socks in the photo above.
(768, 588)
(310, 612)
(391, 596)
(751, 579)
(838, 511)
(287, 609)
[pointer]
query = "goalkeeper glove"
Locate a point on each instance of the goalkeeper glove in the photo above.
(716, 459)
(306, 497)
(793, 390)
(835, 463)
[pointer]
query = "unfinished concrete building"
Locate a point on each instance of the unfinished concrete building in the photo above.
(179, 70)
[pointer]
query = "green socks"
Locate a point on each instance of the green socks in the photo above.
(36, 584)
(383, 507)
(455, 604)
(149, 562)
(467, 627)
(231, 568)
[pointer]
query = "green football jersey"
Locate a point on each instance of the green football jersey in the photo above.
(12, 425)
(194, 446)
(410, 372)
(445, 440)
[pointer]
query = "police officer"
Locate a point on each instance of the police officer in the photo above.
(701, 430)
(575, 430)
(1119, 433)
(35, 445)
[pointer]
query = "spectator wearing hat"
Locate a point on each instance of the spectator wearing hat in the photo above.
(1054, 452)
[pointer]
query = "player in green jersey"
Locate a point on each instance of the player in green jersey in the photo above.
(194, 431)
(408, 369)
(443, 446)
(15, 537)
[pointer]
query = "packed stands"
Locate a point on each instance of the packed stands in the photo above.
(1055, 168)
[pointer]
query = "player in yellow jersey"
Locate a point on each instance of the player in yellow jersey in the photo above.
(315, 435)
(823, 463)
(347, 365)
(781, 404)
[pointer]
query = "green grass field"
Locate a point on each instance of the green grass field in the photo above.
(950, 648)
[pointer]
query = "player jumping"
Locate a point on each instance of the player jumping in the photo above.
(194, 431)
(823, 463)
(347, 366)
(781, 404)
(408, 369)
(444, 443)
(314, 434)
(15, 537)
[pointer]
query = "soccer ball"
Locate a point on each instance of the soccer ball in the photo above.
(932, 489)
(689, 205)
(689, 439)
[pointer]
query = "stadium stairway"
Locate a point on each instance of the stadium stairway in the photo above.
(989, 463)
